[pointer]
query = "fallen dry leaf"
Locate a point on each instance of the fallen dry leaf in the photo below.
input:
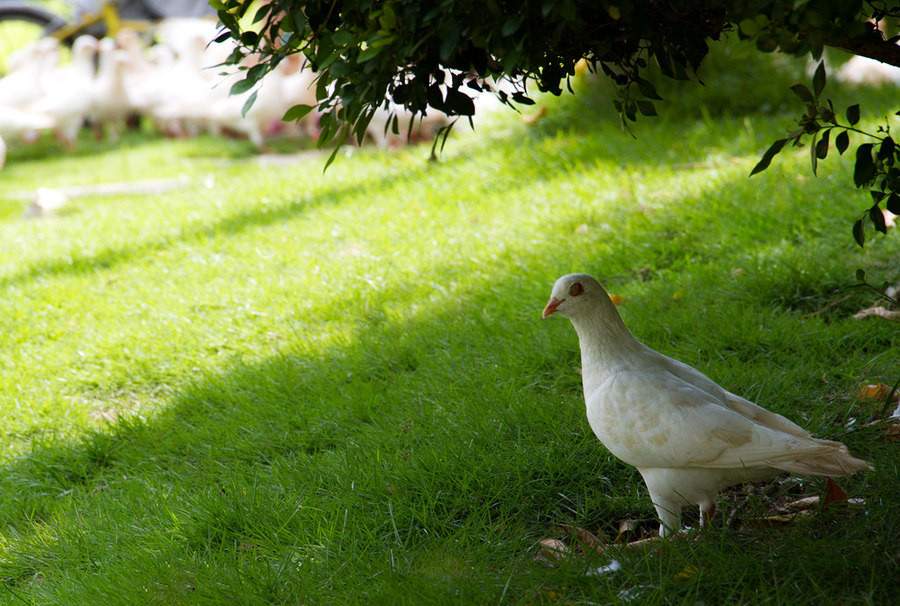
(585, 538)
(833, 493)
(617, 299)
(628, 530)
(804, 503)
(688, 573)
(892, 431)
(878, 311)
(779, 519)
(627, 525)
(879, 391)
(553, 551)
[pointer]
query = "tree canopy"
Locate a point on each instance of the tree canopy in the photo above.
(432, 55)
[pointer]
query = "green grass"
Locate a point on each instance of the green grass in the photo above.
(276, 386)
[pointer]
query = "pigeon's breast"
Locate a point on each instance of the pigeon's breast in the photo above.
(622, 415)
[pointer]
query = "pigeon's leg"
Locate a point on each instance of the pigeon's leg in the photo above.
(707, 512)
(669, 512)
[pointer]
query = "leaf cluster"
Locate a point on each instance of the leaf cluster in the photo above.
(438, 56)
(877, 165)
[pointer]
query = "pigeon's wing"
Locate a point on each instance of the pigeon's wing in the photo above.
(653, 418)
(744, 407)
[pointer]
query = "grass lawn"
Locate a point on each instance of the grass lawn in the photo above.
(274, 386)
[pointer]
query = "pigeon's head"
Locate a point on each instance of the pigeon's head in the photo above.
(574, 294)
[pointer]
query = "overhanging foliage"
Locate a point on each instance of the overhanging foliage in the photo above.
(425, 56)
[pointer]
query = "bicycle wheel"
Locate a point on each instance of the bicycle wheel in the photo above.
(22, 24)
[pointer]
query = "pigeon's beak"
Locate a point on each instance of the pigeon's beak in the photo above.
(552, 304)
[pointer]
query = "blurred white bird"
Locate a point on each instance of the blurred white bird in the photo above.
(16, 122)
(112, 105)
(24, 83)
(190, 86)
(69, 91)
(688, 437)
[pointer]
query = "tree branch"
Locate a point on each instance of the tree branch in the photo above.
(871, 45)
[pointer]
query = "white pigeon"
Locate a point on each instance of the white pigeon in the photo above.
(689, 437)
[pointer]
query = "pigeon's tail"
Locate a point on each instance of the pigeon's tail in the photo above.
(836, 461)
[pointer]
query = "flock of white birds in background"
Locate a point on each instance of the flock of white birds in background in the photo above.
(176, 83)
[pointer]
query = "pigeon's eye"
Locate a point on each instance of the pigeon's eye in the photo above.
(576, 289)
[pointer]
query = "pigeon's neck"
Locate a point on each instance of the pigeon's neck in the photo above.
(606, 344)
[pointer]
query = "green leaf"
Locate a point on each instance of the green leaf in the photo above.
(886, 149)
(801, 91)
(813, 153)
(859, 233)
(842, 141)
(766, 159)
(893, 203)
(342, 38)
(388, 19)
(861, 275)
(262, 12)
(248, 104)
(234, 57)
(510, 27)
(647, 89)
(853, 114)
(242, 86)
(369, 53)
(337, 147)
(256, 73)
(646, 108)
(461, 104)
(299, 20)
(819, 79)
(298, 112)
(520, 97)
(878, 219)
(822, 145)
(864, 170)
(362, 125)
(435, 96)
(229, 21)
(450, 36)
(749, 28)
